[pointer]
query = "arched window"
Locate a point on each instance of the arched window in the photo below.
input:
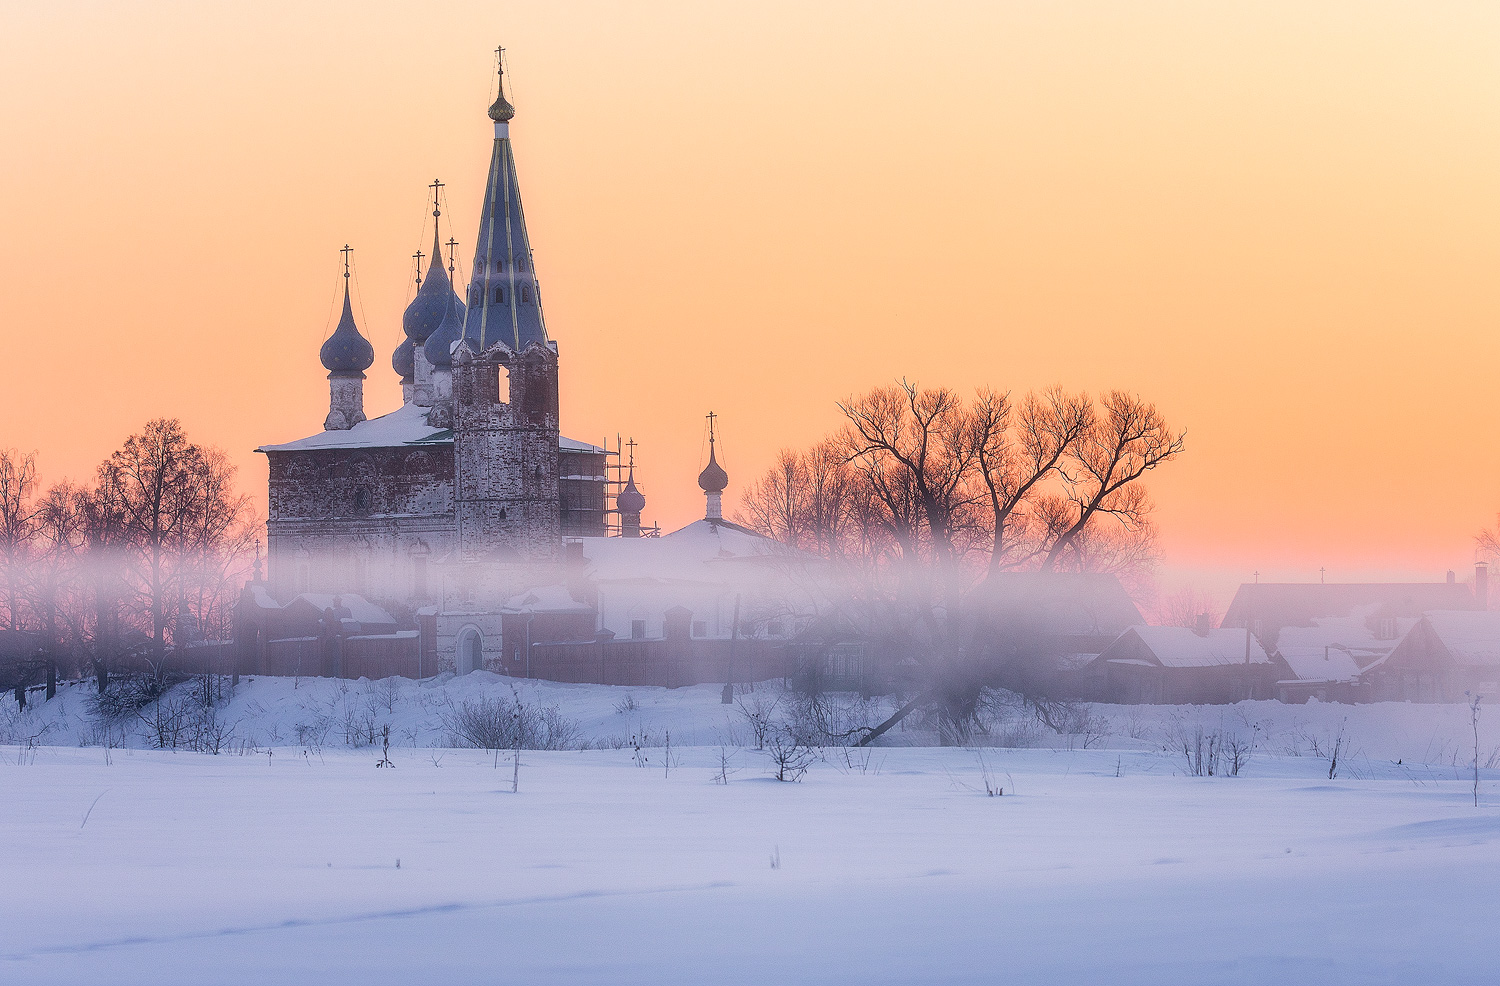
(499, 296)
(502, 513)
(479, 263)
(500, 266)
(536, 474)
(476, 295)
(362, 499)
(521, 264)
(526, 295)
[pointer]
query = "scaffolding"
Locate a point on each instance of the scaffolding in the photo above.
(616, 471)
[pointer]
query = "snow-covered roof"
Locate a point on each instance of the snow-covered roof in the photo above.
(1181, 647)
(361, 610)
(1472, 638)
(1351, 646)
(547, 599)
(698, 552)
(407, 425)
(1322, 665)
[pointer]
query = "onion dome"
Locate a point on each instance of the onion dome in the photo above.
(630, 500)
(501, 111)
(713, 478)
(434, 298)
(346, 351)
(439, 346)
(403, 360)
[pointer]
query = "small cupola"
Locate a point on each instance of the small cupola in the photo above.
(713, 479)
(346, 356)
(347, 351)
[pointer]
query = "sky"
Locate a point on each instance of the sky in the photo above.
(1276, 220)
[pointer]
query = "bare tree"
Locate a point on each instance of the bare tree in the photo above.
(183, 528)
(17, 528)
(925, 495)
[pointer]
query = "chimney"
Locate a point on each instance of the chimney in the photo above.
(1203, 625)
(1482, 584)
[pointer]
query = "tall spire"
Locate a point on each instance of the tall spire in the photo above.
(505, 305)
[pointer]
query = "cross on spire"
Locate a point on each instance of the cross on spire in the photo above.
(631, 445)
(418, 258)
(1257, 576)
(346, 251)
(451, 253)
(1322, 572)
(435, 186)
(711, 417)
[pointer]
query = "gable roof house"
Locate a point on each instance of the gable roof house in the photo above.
(1444, 655)
(1328, 660)
(1265, 608)
(1181, 666)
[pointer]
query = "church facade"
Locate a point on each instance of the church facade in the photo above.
(465, 514)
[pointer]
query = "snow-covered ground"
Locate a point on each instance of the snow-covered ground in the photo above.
(271, 864)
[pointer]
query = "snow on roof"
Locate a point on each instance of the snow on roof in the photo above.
(407, 425)
(547, 599)
(1181, 647)
(1322, 665)
(1349, 643)
(361, 610)
(696, 552)
(1472, 638)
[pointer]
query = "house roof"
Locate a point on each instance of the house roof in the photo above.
(360, 609)
(1284, 604)
(1337, 648)
(547, 599)
(1181, 647)
(704, 550)
(1472, 639)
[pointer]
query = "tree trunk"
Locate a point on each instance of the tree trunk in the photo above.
(899, 714)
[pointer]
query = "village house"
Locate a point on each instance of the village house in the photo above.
(1182, 666)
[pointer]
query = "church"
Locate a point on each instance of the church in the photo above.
(465, 515)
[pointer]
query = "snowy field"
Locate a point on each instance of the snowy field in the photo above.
(271, 864)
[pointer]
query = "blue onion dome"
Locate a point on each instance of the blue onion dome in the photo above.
(433, 299)
(713, 478)
(403, 360)
(630, 500)
(439, 346)
(346, 351)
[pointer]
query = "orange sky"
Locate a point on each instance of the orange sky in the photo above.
(1276, 219)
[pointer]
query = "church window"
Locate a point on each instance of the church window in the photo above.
(479, 263)
(526, 296)
(476, 295)
(637, 629)
(536, 474)
(521, 264)
(362, 499)
(499, 296)
(502, 513)
(500, 266)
